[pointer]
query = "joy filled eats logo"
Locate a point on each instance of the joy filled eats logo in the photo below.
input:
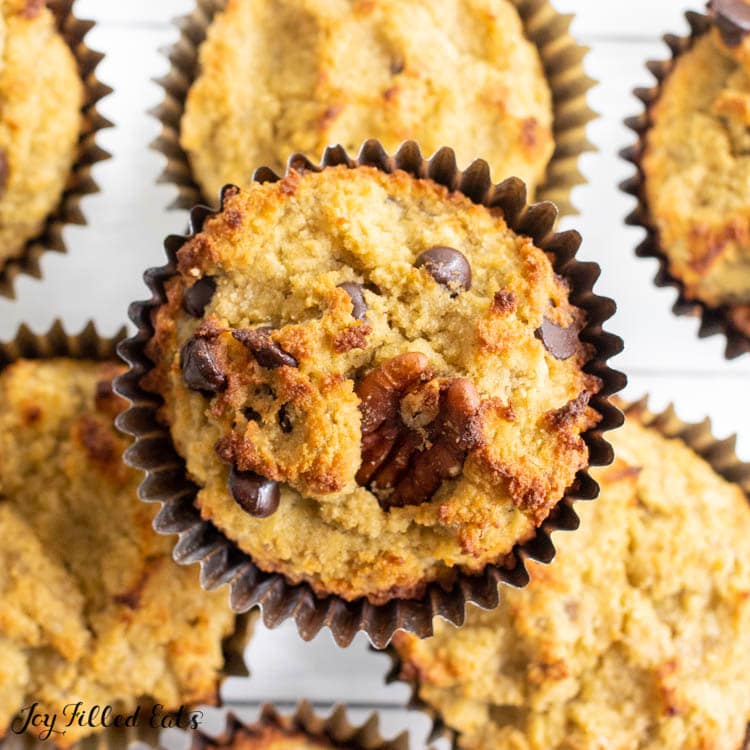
(46, 724)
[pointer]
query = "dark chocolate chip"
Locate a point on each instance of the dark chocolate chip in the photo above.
(397, 66)
(284, 422)
(255, 494)
(447, 266)
(250, 414)
(200, 370)
(266, 351)
(359, 306)
(198, 296)
(560, 342)
(732, 18)
(4, 170)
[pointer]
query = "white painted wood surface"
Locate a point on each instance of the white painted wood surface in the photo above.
(127, 221)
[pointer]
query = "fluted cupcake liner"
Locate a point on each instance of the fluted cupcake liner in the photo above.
(714, 320)
(719, 454)
(88, 344)
(80, 182)
(562, 59)
(222, 562)
(336, 729)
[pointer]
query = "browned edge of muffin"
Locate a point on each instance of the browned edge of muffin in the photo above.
(223, 562)
(88, 344)
(720, 455)
(335, 730)
(80, 181)
(562, 58)
(714, 320)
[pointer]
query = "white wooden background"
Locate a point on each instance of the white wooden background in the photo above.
(127, 221)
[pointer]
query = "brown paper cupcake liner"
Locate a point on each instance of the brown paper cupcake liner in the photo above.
(223, 562)
(562, 59)
(336, 730)
(714, 320)
(89, 345)
(719, 454)
(80, 182)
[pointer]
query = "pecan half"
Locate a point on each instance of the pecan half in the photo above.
(416, 430)
(381, 389)
(456, 431)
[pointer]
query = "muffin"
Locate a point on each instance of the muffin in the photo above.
(297, 75)
(92, 607)
(638, 636)
(375, 383)
(301, 731)
(694, 161)
(40, 120)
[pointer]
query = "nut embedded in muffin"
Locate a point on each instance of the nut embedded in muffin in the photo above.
(637, 636)
(380, 386)
(294, 75)
(40, 121)
(138, 625)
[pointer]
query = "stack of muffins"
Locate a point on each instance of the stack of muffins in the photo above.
(366, 391)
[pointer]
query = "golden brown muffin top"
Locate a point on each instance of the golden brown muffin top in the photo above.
(91, 604)
(41, 95)
(637, 636)
(697, 173)
(373, 381)
(298, 75)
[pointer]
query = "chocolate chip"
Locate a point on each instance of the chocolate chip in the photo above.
(255, 494)
(266, 351)
(359, 306)
(284, 422)
(447, 266)
(198, 296)
(560, 342)
(200, 371)
(732, 18)
(250, 414)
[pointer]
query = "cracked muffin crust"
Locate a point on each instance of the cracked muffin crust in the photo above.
(298, 75)
(374, 382)
(41, 95)
(638, 636)
(696, 167)
(141, 627)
